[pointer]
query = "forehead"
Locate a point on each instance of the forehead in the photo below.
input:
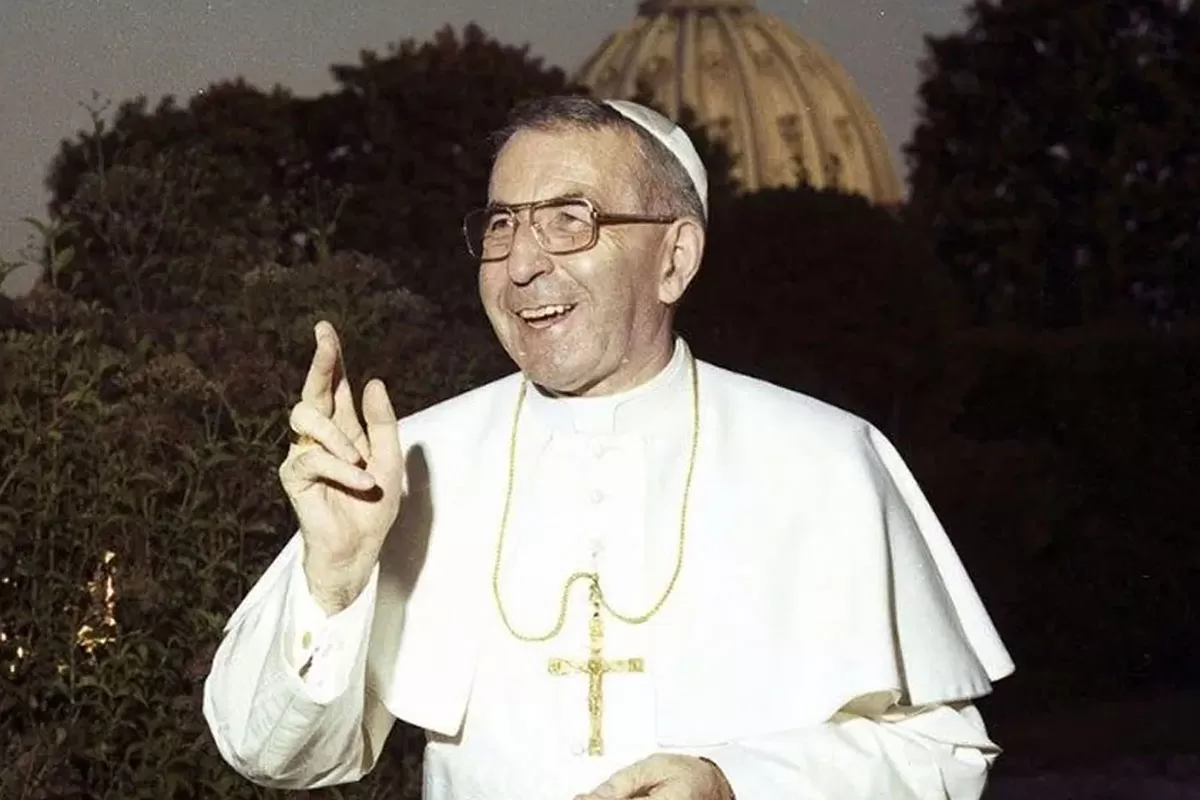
(537, 165)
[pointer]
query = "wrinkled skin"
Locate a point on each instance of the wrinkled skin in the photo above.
(665, 777)
(624, 289)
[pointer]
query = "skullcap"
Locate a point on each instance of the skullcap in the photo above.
(673, 137)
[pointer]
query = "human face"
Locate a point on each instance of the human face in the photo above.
(614, 330)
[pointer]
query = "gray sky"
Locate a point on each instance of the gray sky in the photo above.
(54, 53)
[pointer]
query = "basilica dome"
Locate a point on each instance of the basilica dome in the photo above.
(788, 113)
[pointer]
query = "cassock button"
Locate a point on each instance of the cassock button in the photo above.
(597, 497)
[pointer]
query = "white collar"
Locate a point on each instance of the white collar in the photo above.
(660, 403)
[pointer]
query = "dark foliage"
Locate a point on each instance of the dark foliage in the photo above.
(144, 388)
(825, 293)
(1055, 160)
(386, 163)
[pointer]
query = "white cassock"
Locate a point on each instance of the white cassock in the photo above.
(823, 640)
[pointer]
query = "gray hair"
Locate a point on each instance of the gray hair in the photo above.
(666, 184)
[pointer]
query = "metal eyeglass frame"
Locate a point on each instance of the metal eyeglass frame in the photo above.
(598, 219)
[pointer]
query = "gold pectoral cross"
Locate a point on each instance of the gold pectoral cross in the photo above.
(595, 668)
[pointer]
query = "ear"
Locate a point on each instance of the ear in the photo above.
(683, 250)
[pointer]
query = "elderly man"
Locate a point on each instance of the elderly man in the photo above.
(620, 572)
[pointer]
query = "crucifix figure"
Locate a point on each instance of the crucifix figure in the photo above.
(595, 668)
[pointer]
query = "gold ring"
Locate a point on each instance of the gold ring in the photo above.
(303, 440)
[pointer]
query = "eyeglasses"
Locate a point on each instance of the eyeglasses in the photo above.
(561, 226)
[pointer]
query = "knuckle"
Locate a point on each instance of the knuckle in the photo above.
(294, 467)
(296, 415)
(289, 471)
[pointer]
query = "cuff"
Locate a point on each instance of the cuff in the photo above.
(321, 650)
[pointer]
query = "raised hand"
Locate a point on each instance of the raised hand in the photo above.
(343, 480)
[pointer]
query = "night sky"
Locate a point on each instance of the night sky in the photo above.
(54, 53)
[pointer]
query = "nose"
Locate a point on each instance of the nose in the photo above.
(526, 259)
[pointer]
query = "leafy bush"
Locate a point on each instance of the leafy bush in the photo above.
(137, 470)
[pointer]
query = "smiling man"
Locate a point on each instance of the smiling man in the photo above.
(621, 571)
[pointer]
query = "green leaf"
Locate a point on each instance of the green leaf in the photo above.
(42, 228)
(64, 257)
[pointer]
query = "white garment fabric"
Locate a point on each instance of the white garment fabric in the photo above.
(818, 594)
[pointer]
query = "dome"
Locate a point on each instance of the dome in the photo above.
(787, 112)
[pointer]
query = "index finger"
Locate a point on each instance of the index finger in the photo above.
(324, 370)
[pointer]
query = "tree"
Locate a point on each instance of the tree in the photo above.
(386, 164)
(406, 133)
(825, 293)
(158, 201)
(1055, 160)
(256, 130)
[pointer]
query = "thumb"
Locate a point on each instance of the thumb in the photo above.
(380, 417)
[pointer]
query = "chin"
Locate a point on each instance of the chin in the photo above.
(555, 381)
(566, 365)
(558, 378)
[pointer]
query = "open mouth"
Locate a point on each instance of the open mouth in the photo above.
(545, 316)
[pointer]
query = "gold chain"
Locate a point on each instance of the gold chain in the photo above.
(592, 576)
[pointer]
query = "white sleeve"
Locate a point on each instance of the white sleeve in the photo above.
(935, 753)
(321, 650)
(286, 698)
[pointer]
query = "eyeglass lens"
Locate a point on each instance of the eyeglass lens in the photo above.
(560, 227)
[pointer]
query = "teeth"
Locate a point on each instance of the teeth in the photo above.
(544, 312)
